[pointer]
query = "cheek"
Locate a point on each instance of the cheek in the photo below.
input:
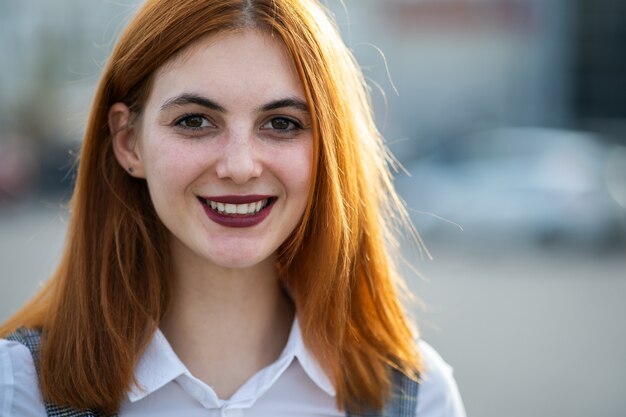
(171, 164)
(296, 168)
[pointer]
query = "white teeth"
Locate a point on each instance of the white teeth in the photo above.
(250, 208)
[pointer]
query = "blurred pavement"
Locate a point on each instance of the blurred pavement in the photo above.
(529, 332)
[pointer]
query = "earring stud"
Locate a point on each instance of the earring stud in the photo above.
(131, 170)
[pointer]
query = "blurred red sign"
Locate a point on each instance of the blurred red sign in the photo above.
(459, 15)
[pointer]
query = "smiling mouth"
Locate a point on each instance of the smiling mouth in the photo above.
(231, 209)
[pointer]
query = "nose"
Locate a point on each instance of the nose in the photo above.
(239, 160)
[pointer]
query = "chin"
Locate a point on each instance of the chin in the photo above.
(241, 261)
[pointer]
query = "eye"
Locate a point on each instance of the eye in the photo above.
(282, 125)
(193, 122)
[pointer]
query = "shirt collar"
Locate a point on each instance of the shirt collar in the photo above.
(160, 365)
(308, 362)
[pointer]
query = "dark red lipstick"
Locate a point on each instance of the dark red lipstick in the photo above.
(225, 209)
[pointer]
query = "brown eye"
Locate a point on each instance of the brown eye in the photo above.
(193, 122)
(282, 125)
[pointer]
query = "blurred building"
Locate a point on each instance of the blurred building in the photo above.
(440, 71)
(449, 66)
(599, 97)
(507, 113)
(463, 65)
(52, 54)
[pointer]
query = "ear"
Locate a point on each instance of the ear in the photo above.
(125, 140)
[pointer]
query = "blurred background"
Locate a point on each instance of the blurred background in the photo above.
(508, 118)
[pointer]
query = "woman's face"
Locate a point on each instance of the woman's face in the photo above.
(225, 145)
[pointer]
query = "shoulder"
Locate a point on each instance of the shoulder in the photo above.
(438, 393)
(19, 392)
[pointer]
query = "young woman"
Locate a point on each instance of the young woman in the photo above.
(227, 249)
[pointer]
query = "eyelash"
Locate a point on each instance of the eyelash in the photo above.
(295, 126)
(186, 117)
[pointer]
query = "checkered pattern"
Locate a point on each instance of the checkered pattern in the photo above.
(30, 339)
(403, 402)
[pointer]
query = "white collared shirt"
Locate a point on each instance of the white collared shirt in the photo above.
(293, 386)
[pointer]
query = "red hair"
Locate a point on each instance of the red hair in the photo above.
(104, 302)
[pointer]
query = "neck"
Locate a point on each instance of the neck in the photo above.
(227, 324)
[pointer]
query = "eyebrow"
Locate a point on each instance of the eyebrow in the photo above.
(191, 98)
(286, 102)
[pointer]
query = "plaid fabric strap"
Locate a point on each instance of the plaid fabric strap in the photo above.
(403, 401)
(30, 339)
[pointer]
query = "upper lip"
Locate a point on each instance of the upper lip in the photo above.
(237, 199)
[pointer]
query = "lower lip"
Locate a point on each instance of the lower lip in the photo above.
(237, 220)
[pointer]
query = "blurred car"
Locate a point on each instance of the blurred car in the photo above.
(524, 185)
(31, 170)
(18, 168)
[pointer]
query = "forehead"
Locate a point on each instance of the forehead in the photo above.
(235, 64)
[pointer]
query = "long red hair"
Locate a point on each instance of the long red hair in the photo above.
(101, 307)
